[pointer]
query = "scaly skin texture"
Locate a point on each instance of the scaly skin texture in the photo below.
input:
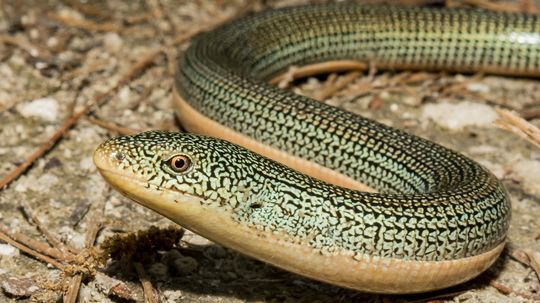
(434, 207)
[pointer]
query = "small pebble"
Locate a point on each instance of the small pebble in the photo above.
(124, 96)
(52, 42)
(385, 95)
(44, 183)
(34, 34)
(478, 88)
(20, 188)
(112, 42)
(88, 134)
(173, 296)
(412, 100)
(15, 224)
(8, 250)
(456, 116)
(17, 60)
(44, 108)
(195, 239)
(87, 164)
(482, 149)
(73, 238)
(528, 172)
(67, 153)
(29, 18)
(115, 202)
(111, 286)
(19, 288)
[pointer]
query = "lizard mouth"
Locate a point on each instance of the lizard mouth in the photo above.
(154, 197)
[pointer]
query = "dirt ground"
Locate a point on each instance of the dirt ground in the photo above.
(56, 57)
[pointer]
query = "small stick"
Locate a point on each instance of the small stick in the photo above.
(460, 87)
(38, 246)
(330, 81)
(336, 86)
(84, 70)
(518, 126)
(87, 24)
(507, 290)
(24, 44)
(88, 9)
(50, 238)
(537, 235)
(73, 289)
(93, 229)
(322, 68)
(503, 7)
(137, 19)
(519, 256)
(171, 66)
(534, 258)
(286, 78)
(526, 6)
(112, 127)
(31, 252)
(135, 70)
(146, 284)
(530, 114)
(91, 233)
(357, 89)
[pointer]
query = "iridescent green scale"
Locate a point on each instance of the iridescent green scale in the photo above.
(429, 195)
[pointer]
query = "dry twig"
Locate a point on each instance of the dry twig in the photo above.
(90, 237)
(73, 289)
(31, 215)
(24, 44)
(317, 69)
(530, 114)
(518, 126)
(5, 237)
(38, 246)
(149, 295)
(89, 9)
(85, 70)
(534, 258)
(86, 24)
(112, 127)
(537, 235)
(524, 6)
(508, 290)
(336, 86)
(144, 63)
(519, 256)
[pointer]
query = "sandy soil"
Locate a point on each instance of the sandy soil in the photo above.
(52, 63)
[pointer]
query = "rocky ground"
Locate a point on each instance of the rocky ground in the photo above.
(58, 57)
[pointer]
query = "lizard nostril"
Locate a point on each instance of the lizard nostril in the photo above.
(118, 156)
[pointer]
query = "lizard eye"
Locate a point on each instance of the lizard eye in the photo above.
(179, 163)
